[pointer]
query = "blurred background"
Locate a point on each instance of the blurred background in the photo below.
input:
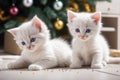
(52, 12)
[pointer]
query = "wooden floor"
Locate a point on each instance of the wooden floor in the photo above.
(110, 72)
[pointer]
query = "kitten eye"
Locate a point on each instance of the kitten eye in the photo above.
(32, 40)
(88, 30)
(23, 43)
(77, 30)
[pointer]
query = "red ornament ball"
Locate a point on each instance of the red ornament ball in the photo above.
(13, 10)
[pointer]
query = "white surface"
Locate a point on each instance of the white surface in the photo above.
(57, 74)
(110, 72)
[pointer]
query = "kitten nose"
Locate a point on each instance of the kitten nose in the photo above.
(29, 47)
(82, 37)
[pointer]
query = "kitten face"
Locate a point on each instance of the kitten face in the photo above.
(83, 25)
(30, 35)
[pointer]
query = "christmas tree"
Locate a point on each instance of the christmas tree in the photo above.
(52, 12)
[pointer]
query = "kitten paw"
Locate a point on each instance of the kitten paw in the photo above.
(104, 63)
(35, 67)
(97, 66)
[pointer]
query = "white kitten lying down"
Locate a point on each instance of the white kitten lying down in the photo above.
(38, 51)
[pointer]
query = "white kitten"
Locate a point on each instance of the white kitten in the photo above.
(38, 51)
(89, 46)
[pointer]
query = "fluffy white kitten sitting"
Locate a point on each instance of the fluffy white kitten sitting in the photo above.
(38, 51)
(89, 46)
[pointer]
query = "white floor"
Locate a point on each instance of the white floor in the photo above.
(110, 72)
(57, 74)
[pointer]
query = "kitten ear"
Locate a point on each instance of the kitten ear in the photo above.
(37, 22)
(97, 17)
(70, 15)
(13, 31)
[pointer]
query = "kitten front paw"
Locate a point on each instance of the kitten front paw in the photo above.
(104, 63)
(35, 67)
(97, 66)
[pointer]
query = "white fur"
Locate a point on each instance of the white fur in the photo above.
(93, 49)
(44, 53)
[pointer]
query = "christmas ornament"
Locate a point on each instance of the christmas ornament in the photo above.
(58, 24)
(13, 10)
(2, 17)
(58, 5)
(27, 3)
(87, 7)
(74, 6)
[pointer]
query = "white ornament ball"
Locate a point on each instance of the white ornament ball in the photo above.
(58, 5)
(27, 3)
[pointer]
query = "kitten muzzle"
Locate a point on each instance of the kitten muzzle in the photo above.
(31, 47)
(82, 37)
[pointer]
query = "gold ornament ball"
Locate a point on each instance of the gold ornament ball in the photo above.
(59, 24)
